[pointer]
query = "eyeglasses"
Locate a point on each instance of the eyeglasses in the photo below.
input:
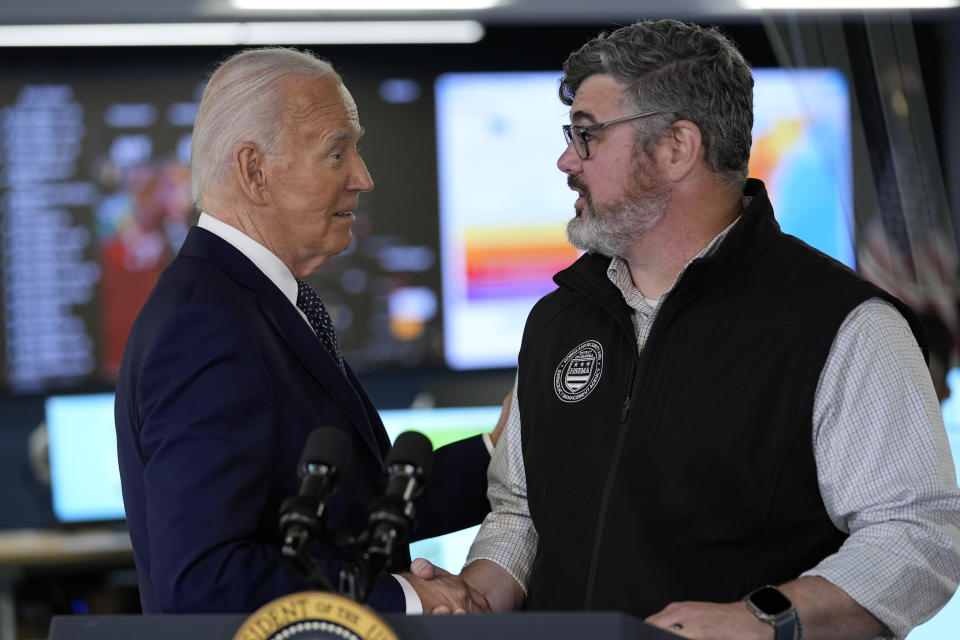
(580, 136)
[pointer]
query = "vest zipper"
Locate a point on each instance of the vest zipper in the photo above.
(625, 408)
(607, 488)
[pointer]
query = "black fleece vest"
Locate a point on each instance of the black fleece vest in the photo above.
(685, 473)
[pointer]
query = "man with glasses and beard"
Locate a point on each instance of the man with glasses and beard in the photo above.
(715, 427)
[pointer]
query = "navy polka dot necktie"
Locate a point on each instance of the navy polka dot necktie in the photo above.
(309, 302)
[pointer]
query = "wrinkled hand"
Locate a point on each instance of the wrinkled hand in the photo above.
(443, 592)
(708, 620)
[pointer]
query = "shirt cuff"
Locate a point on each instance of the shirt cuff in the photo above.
(488, 442)
(414, 606)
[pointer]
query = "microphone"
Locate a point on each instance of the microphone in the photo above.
(322, 464)
(393, 515)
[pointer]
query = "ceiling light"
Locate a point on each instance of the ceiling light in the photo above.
(362, 5)
(241, 33)
(847, 5)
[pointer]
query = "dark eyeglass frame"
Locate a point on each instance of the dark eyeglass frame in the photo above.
(582, 131)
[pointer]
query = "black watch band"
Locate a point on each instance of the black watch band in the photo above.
(783, 628)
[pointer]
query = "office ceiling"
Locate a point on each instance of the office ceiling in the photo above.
(507, 12)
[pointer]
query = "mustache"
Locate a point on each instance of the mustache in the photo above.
(574, 183)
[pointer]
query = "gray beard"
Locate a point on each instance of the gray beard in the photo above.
(612, 231)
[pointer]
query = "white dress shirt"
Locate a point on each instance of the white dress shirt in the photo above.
(280, 275)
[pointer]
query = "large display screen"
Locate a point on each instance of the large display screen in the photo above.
(504, 204)
(460, 237)
(503, 208)
(95, 202)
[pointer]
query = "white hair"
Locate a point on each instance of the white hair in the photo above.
(243, 101)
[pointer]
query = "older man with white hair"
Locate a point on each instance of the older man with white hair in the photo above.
(233, 359)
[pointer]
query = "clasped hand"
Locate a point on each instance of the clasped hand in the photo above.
(443, 592)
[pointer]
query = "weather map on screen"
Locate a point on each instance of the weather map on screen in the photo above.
(504, 204)
(502, 207)
(801, 150)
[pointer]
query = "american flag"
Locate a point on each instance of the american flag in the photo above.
(908, 247)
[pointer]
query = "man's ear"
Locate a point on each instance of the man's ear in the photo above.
(683, 149)
(249, 168)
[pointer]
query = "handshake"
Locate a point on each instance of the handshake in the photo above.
(482, 587)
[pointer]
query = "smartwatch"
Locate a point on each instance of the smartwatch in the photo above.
(770, 605)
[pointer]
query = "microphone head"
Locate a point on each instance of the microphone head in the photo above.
(325, 446)
(415, 449)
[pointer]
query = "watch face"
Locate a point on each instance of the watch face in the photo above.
(770, 601)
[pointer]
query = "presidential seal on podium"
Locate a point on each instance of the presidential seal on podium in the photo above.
(314, 615)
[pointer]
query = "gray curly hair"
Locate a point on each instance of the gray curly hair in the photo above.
(685, 71)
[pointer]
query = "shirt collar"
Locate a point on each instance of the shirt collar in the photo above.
(618, 272)
(264, 259)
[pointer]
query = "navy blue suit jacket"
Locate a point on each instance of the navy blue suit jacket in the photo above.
(221, 383)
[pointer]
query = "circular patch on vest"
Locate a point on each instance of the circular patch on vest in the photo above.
(314, 615)
(579, 372)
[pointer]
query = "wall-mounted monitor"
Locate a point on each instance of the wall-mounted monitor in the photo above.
(95, 202)
(443, 425)
(85, 479)
(504, 204)
(82, 446)
(454, 245)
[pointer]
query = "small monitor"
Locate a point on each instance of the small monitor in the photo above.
(85, 478)
(443, 426)
(82, 443)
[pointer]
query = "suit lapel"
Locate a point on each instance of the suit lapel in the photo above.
(288, 324)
